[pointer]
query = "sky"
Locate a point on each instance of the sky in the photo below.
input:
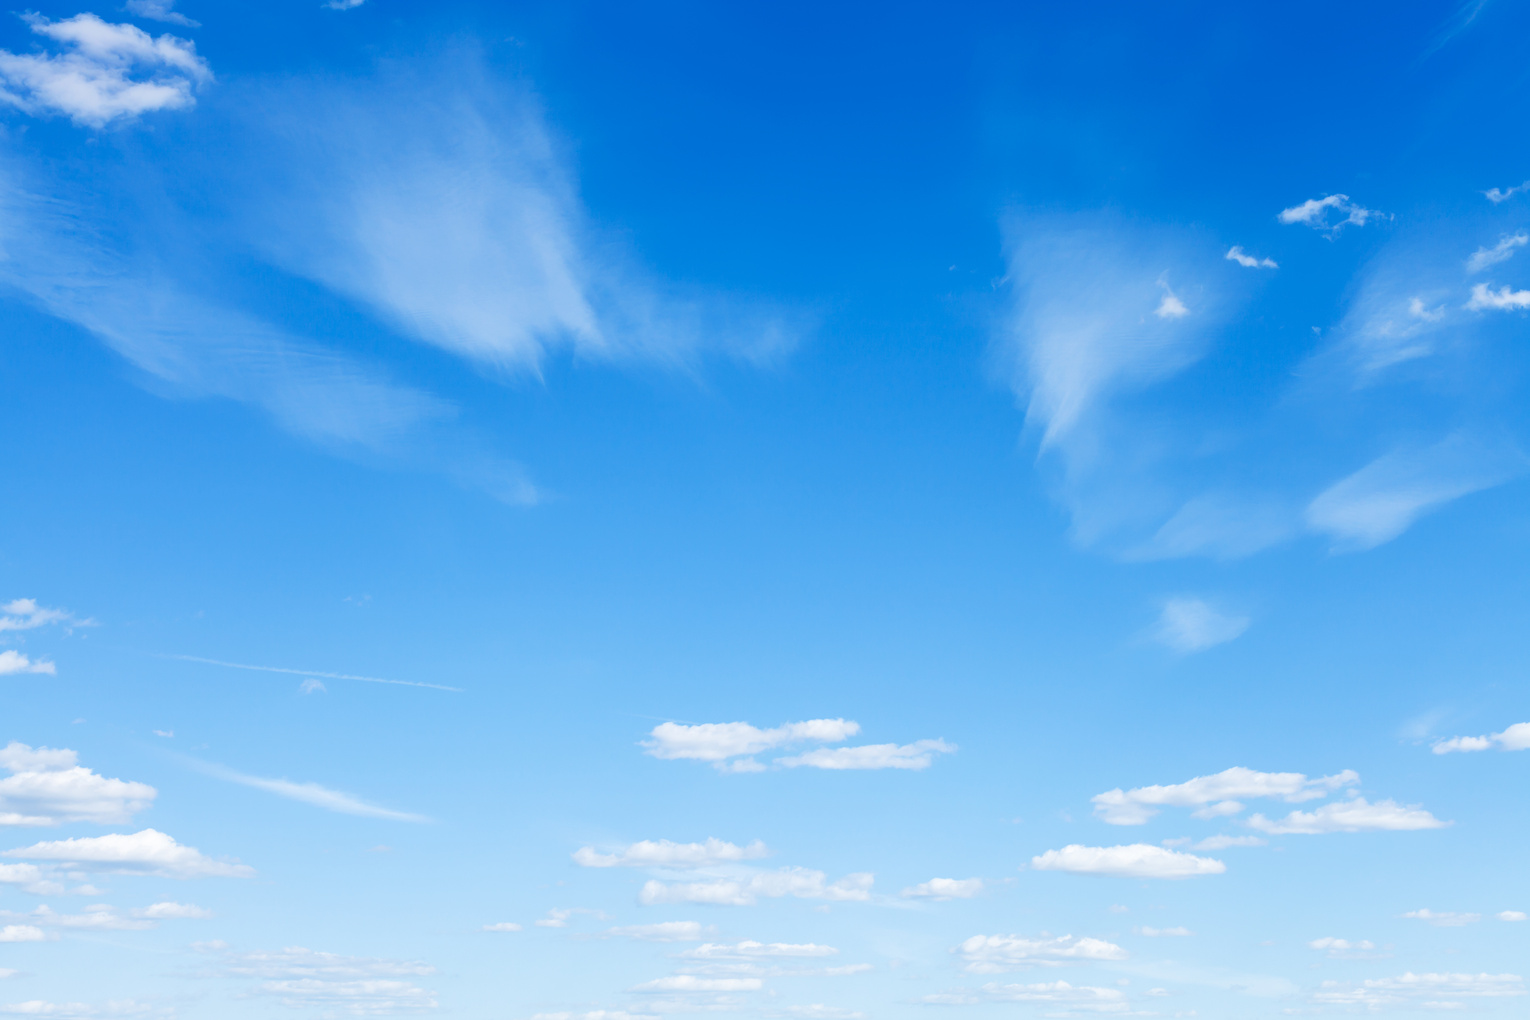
(579, 511)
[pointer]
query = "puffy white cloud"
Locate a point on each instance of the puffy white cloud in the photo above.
(26, 614)
(1247, 261)
(1353, 815)
(664, 931)
(1158, 933)
(1512, 915)
(802, 883)
(1170, 306)
(946, 889)
(169, 910)
(107, 72)
(1410, 987)
(750, 950)
(716, 742)
(1500, 252)
(159, 10)
(996, 954)
(312, 793)
(1496, 195)
(1383, 499)
(871, 756)
(146, 852)
(664, 854)
(1443, 918)
(1503, 299)
(1215, 795)
(97, 917)
(1193, 625)
(48, 786)
(22, 933)
(692, 983)
(12, 661)
(30, 878)
(502, 926)
(1136, 860)
(1514, 738)
(1317, 213)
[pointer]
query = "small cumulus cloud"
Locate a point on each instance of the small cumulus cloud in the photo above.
(48, 786)
(12, 661)
(1247, 261)
(945, 889)
(1329, 214)
(1135, 860)
(160, 10)
(1215, 795)
(1353, 815)
(997, 954)
(1176, 932)
(1514, 738)
(148, 852)
(501, 926)
(803, 883)
(1443, 918)
(1503, 299)
(663, 853)
(664, 931)
(1496, 195)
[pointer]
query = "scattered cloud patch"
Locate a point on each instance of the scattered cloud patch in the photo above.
(998, 954)
(1438, 990)
(1222, 842)
(1443, 918)
(12, 661)
(301, 978)
(1383, 499)
(160, 10)
(1135, 860)
(665, 854)
(1503, 299)
(1170, 306)
(501, 926)
(1500, 252)
(1496, 195)
(1329, 214)
(749, 950)
(26, 614)
(22, 933)
(802, 883)
(1216, 795)
(1194, 625)
(917, 755)
(1353, 815)
(170, 910)
(946, 889)
(1514, 738)
(1512, 915)
(47, 787)
(106, 72)
(717, 742)
(1176, 932)
(692, 983)
(1247, 261)
(148, 852)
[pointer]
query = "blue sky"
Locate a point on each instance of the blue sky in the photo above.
(601, 512)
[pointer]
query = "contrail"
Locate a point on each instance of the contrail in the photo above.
(311, 672)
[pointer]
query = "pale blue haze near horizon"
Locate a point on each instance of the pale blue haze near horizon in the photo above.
(608, 512)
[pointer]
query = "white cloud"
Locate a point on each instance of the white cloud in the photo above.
(304, 979)
(47, 786)
(664, 931)
(1500, 252)
(1170, 307)
(750, 950)
(819, 1011)
(12, 661)
(168, 910)
(1514, 738)
(304, 688)
(665, 854)
(996, 954)
(1353, 815)
(1410, 987)
(1383, 499)
(1512, 915)
(1503, 299)
(946, 889)
(729, 892)
(1238, 255)
(22, 933)
(917, 755)
(26, 614)
(1315, 213)
(1193, 625)
(716, 742)
(501, 926)
(76, 1010)
(1176, 932)
(692, 983)
(1068, 999)
(1343, 949)
(146, 852)
(1496, 195)
(97, 917)
(596, 1014)
(31, 878)
(160, 10)
(1443, 918)
(106, 72)
(1215, 795)
(344, 5)
(311, 793)
(1136, 860)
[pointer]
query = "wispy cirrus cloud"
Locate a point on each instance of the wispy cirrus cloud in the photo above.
(730, 747)
(308, 793)
(1329, 214)
(663, 853)
(1217, 795)
(998, 954)
(1193, 625)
